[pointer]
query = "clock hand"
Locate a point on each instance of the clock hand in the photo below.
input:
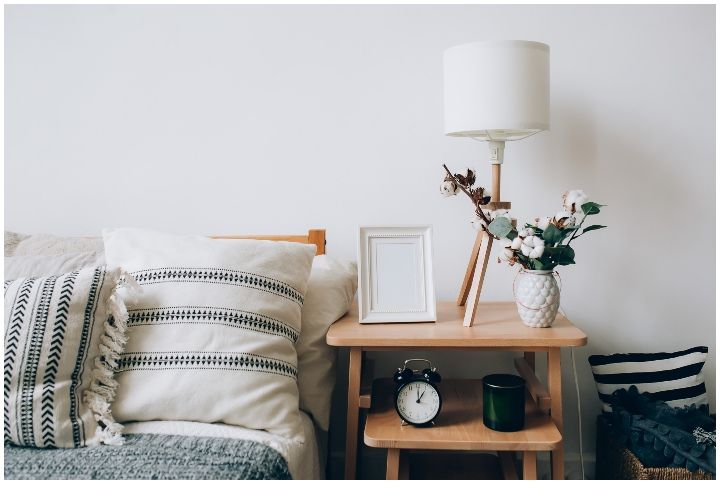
(420, 397)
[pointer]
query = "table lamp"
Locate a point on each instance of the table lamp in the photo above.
(495, 91)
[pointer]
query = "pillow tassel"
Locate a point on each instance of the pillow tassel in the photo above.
(102, 388)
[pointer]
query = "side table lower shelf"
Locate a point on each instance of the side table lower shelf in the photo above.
(459, 427)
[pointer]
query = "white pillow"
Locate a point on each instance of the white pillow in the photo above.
(212, 337)
(12, 239)
(330, 292)
(48, 265)
(46, 244)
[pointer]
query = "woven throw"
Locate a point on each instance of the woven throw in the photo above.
(150, 456)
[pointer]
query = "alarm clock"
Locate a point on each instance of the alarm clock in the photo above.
(417, 398)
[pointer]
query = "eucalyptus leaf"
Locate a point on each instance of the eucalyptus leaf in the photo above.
(562, 255)
(591, 208)
(552, 235)
(593, 227)
(500, 227)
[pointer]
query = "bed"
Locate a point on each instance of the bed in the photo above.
(183, 449)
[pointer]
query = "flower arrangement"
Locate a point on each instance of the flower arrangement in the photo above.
(542, 245)
(546, 243)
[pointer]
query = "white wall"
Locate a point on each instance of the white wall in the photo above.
(252, 119)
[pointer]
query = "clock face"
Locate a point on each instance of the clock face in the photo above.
(417, 402)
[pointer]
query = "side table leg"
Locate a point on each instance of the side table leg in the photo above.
(404, 473)
(397, 465)
(353, 412)
(507, 465)
(529, 465)
(554, 378)
(530, 358)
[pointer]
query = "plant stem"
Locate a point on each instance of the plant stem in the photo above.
(573, 236)
(478, 210)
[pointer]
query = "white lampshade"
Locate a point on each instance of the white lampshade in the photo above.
(497, 89)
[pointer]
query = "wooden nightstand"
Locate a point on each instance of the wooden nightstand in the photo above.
(497, 327)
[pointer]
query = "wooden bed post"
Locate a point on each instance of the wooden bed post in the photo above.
(314, 236)
(317, 237)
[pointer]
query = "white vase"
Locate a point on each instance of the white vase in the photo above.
(537, 297)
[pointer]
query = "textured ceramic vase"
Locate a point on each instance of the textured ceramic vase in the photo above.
(538, 298)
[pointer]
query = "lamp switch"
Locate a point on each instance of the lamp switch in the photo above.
(493, 153)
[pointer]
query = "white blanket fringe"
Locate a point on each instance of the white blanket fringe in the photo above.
(102, 388)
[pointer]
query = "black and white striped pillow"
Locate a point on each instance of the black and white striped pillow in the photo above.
(63, 335)
(672, 377)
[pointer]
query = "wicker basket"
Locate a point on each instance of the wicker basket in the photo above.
(613, 462)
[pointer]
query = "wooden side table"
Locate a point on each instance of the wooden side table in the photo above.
(497, 327)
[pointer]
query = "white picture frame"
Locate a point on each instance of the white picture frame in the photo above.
(395, 271)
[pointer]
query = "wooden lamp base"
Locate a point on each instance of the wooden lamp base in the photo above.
(474, 275)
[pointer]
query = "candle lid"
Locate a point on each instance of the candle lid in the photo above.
(502, 380)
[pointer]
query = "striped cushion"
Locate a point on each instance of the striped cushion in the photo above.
(212, 337)
(62, 337)
(672, 377)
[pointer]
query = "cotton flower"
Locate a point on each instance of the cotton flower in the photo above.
(537, 252)
(506, 254)
(564, 219)
(533, 247)
(542, 222)
(449, 188)
(573, 200)
(478, 224)
(526, 232)
(562, 214)
(516, 243)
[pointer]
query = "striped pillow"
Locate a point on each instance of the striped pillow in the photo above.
(212, 338)
(672, 377)
(62, 339)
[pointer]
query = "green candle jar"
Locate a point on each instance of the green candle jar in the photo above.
(504, 402)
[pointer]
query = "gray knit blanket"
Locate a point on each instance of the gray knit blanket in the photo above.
(150, 456)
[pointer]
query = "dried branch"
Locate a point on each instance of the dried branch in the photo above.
(478, 210)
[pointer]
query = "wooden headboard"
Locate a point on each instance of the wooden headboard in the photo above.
(314, 236)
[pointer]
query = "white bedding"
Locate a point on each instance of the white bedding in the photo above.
(303, 459)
